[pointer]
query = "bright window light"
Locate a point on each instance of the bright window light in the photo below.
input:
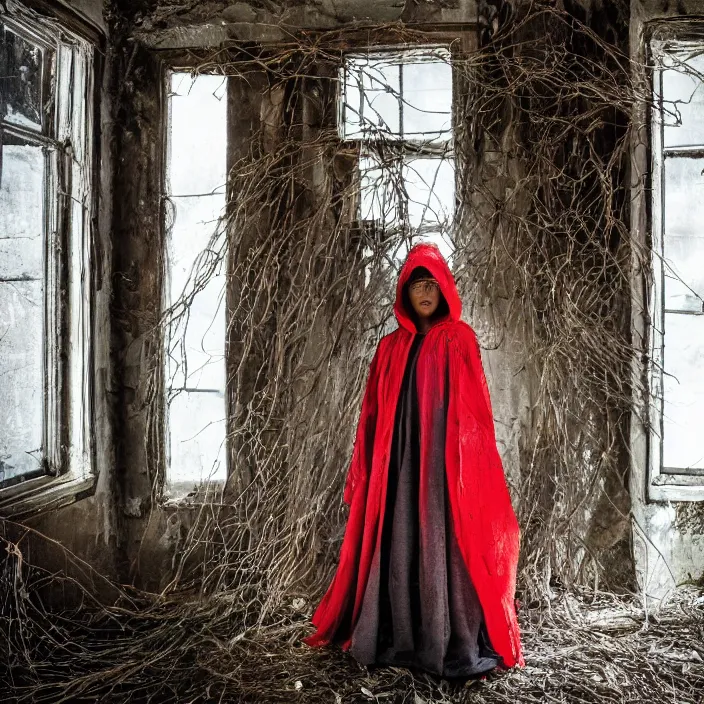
(195, 290)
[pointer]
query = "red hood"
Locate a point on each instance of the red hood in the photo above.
(427, 255)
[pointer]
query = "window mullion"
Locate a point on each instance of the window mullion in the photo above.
(52, 294)
(400, 100)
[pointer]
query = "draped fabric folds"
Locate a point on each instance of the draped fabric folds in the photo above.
(461, 497)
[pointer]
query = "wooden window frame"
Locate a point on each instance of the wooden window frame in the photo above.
(662, 485)
(68, 445)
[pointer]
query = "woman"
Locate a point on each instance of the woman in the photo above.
(427, 569)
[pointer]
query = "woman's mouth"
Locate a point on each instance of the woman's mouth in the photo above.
(426, 303)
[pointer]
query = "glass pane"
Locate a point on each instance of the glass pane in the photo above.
(372, 97)
(21, 308)
(197, 437)
(21, 387)
(21, 210)
(427, 99)
(21, 68)
(195, 222)
(195, 361)
(197, 345)
(197, 134)
(381, 188)
(683, 100)
(683, 390)
(197, 342)
(684, 234)
(430, 185)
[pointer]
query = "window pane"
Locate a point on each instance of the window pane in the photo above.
(683, 390)
(410, 198)
(197, 438)
(430, 185)
(427, 99)
(195, 342)
(21, 210)
(21, 388)
(372, 96)
(684, 234)
(21, 309)
(683, 96)
(381, 189)
(197, 134)
(21, 65)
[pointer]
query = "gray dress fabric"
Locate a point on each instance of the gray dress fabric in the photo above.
(420, 609)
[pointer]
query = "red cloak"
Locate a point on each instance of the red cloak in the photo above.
(485, 524)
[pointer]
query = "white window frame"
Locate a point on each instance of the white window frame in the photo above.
(662, 485)
(400, 145)
(69, 208)
(185, 491)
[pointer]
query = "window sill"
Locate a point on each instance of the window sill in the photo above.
(43, 494)
(186, 494)
(665, 488)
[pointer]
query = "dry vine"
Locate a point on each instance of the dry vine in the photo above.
(542, 252)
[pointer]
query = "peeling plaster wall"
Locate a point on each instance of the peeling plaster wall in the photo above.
(136, 304)
(514, 380)
(191, 24)
(668, 536)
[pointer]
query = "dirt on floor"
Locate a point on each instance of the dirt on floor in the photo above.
(579, 647)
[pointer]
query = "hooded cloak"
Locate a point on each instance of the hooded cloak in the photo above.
(450, 382)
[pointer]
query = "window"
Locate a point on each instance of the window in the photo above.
(46, 88)
(195, 282)
(397, 105)
(677, 340)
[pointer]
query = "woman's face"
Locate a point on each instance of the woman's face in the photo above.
(425, 296)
